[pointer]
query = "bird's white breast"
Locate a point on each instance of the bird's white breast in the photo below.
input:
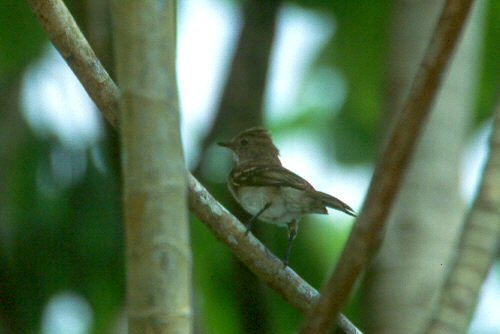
(285, 206)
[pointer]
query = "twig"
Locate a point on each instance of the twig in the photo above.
(54, 17)
(249, 249)
(252, 253)
(368, 232)
(76, 51)
(477, 249)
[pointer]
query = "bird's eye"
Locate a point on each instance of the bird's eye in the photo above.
(244, 142)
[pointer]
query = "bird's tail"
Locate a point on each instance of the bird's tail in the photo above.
(334, 203)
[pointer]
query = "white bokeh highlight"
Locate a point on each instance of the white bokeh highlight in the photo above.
(67, 313)
(299, 36)
(55, 104)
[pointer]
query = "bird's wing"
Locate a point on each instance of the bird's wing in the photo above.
(269, 176)
(281, 177)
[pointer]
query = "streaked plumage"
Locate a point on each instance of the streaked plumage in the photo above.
(269, 191)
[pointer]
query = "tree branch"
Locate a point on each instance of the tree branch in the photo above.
(254, 254)
(59, 24)
(76, 51)
(158, 256)
(477, 249)
(368, 232)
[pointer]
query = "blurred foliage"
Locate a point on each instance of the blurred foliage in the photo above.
(72, 240)
(489, 84)
(15, 52)
(64, 239)
(358, 52)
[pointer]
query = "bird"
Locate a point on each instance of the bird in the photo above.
(270, 192)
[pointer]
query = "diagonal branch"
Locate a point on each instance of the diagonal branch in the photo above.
(476, 251)
(368, 233)
(64, 33)
(76, 51)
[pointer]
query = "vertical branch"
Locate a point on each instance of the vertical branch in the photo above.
(368, 232)
(221, 223)
(429, 209)
(477, 250)
(155, 184)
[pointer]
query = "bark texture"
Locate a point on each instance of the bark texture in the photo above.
(401, 285)
(221, 223)
(73, 47)
(155, 184)
(368, 232)
(476, 252)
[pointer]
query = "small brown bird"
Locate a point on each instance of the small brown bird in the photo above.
(269, 191)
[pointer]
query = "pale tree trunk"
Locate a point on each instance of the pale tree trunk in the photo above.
(477, 249)
(154, 174)
(401, 285)
(64, 33)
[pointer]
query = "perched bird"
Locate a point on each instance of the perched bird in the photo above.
(269, 191)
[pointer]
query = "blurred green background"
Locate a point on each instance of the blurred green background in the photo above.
(61, 234)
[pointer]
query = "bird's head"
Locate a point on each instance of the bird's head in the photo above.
(254, 144)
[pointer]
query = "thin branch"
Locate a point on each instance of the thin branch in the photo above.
(76, 51)
(225, 226)
(368, 232)
(477, 249)
(254, 254)
(249, 249)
